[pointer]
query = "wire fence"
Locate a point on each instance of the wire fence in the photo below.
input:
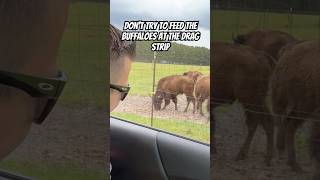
(228, 20)
(140, 105)
(298, 18)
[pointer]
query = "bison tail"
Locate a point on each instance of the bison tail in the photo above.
(278, 103)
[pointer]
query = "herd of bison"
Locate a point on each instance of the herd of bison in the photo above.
(193, 84)
(276, 78)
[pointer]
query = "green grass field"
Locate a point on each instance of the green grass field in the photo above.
(141, 75)
(82, 56)
(43, 171)
(225, 23)
(196, 131)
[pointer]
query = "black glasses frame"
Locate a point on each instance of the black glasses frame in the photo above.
(124, 90)
(37, 87)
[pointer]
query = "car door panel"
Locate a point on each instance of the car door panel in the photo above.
(184, 159)
(143, 153)
(134, 152)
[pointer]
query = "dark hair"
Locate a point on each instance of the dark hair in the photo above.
(27, 28)
(118, 47)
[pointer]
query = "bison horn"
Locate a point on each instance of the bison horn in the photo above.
(239, 39)
(234, 38)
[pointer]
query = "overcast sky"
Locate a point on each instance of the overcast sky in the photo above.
(178, 10)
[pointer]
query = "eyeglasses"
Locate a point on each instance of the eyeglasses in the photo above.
(124, 90)
(46, 90)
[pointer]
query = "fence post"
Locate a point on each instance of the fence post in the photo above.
(290, 19)
(238, 22)
(153, 83)
(318, 26)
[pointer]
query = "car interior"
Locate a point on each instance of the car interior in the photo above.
(5, 175)
(142, 153)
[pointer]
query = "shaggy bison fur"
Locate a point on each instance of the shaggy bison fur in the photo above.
(295, 96)
(269, 41)
(242, 73)
(202, 92)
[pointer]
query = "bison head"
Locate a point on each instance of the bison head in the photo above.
(239, 39)
(157, 101)
(193, 75)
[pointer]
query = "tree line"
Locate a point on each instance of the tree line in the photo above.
(177, 54)
(307, 6)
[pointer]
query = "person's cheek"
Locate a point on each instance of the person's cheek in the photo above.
(16, 120)
(113, 101)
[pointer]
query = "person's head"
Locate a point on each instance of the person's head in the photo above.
(30, 34)
(122, 54)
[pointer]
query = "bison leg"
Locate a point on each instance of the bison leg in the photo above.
(291, 131)
(194, 105)
(175, 101)
(252, 123)
(282, 123)
(268, 126)
(200, 106)
(188, 102)
(281, 136)
(315, 148)
(166, 103)
(316, 171)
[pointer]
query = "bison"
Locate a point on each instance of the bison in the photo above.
(169, 87)
(193, 75)
(269, 41)
(315, 146)
(242, 73)
(201, 92)
(295, 95)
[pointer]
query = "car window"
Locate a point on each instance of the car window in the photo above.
(157, 78)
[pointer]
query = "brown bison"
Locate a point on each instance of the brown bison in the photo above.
(242, 73)
(295, 95)
(269, 41)
(315, 146)
(193, 75)
(169, 87)
(201, 92)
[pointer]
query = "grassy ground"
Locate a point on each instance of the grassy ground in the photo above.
(44, 171)
(82, 56)
(200, 132)
(225, 23)
(141, 75)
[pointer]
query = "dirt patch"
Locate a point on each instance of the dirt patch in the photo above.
(142, 106)
(69, 135)
(230, 134)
